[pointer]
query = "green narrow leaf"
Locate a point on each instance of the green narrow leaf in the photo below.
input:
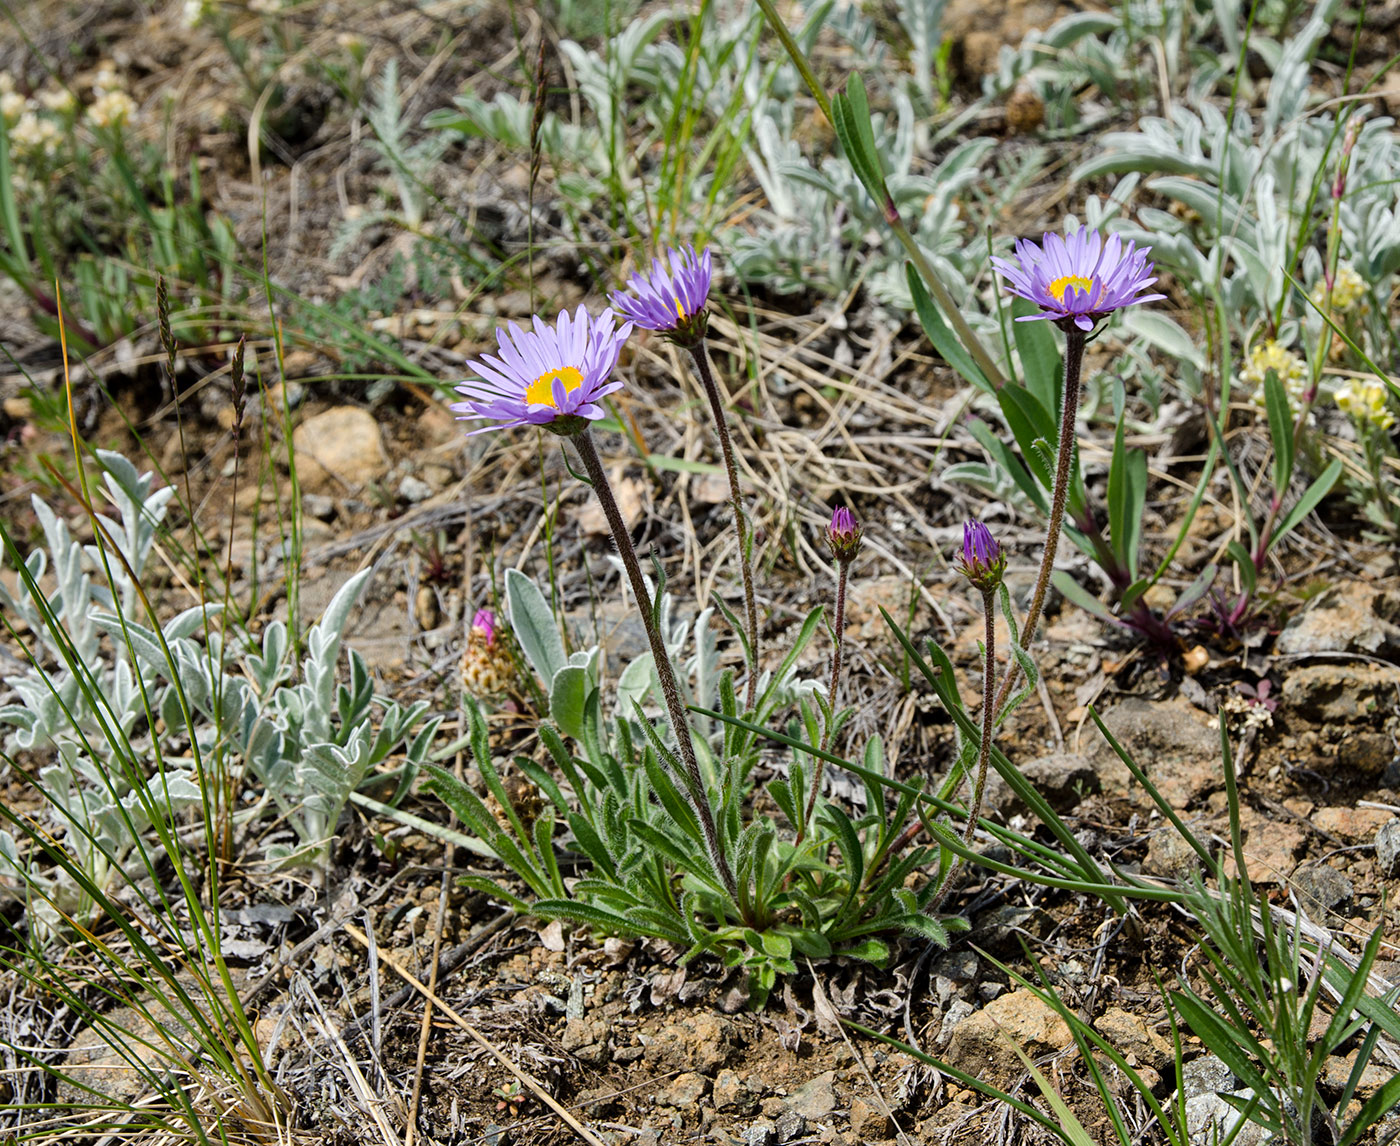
(944, 340)
(1280, 427)
(851, 115)
(1244, 562)
(1127, 501)
(804, 637)
(568, 700)
(1034, 429)
(1010, 464)
(1222, 1040)
(1072, 591)
(1042, 365)
(1375, 1107)
(849, 843)
(1071, 1129)
(868, 951)
(1309, 501)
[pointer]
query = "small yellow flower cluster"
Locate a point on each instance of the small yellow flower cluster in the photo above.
(12, 105)
(32, 131)
(106, 79)
(197, 11)
(1365, 402)
(1348, 291)
(60, 101)
(1292, 371)
(110, 107)
(33, 134)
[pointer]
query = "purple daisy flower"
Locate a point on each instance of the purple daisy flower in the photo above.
(1079, 278)
(670, 300)
(551, 376)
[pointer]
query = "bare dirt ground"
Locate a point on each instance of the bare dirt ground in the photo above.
(633, 1046)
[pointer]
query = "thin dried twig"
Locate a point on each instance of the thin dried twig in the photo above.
(477, 1037)
(823, 1007)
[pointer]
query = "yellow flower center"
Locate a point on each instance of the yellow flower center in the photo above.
(540, 392)
(1059, 286)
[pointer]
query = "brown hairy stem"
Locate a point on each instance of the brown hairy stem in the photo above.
(701, 357)
(692, 780)
(1074, 361)
(838, 633)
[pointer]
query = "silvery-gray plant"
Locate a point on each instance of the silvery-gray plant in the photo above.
(84, 706)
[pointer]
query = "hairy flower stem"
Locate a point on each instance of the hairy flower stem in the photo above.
(1074, 362)
(984, 752)
(692, 781)
(838, 636)
(700, 355)
(989, 708)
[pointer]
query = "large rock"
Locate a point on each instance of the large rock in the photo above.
(1062, 778)
(1134, 1039)
(982, 1044)
(815, 1098)
(1271, 848)
(1351, 823)
(1206, 1075)
(1333, 691)
(701, 1043)
(1388, 846)
(1352, 617)
(1169, 855)
(1211, 1120)
(684, 1091)
(1169, 741)
(1338, 1068)
(979, 30)
(1321, 888)
(339, 449)
(94, 1064)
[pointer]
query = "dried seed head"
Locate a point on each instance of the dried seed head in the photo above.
(487, 669)
(167, 336)
(237, 383)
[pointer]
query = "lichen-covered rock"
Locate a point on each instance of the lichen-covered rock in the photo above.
(699, 1042)
(1352, 617)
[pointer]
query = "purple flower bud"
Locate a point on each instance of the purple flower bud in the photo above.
(843, 534)
(484, 622)
(982, 561)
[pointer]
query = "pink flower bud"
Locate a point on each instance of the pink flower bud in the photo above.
(843, 535)
(484, 622)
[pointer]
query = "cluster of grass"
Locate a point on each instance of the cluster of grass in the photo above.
(156, 746)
